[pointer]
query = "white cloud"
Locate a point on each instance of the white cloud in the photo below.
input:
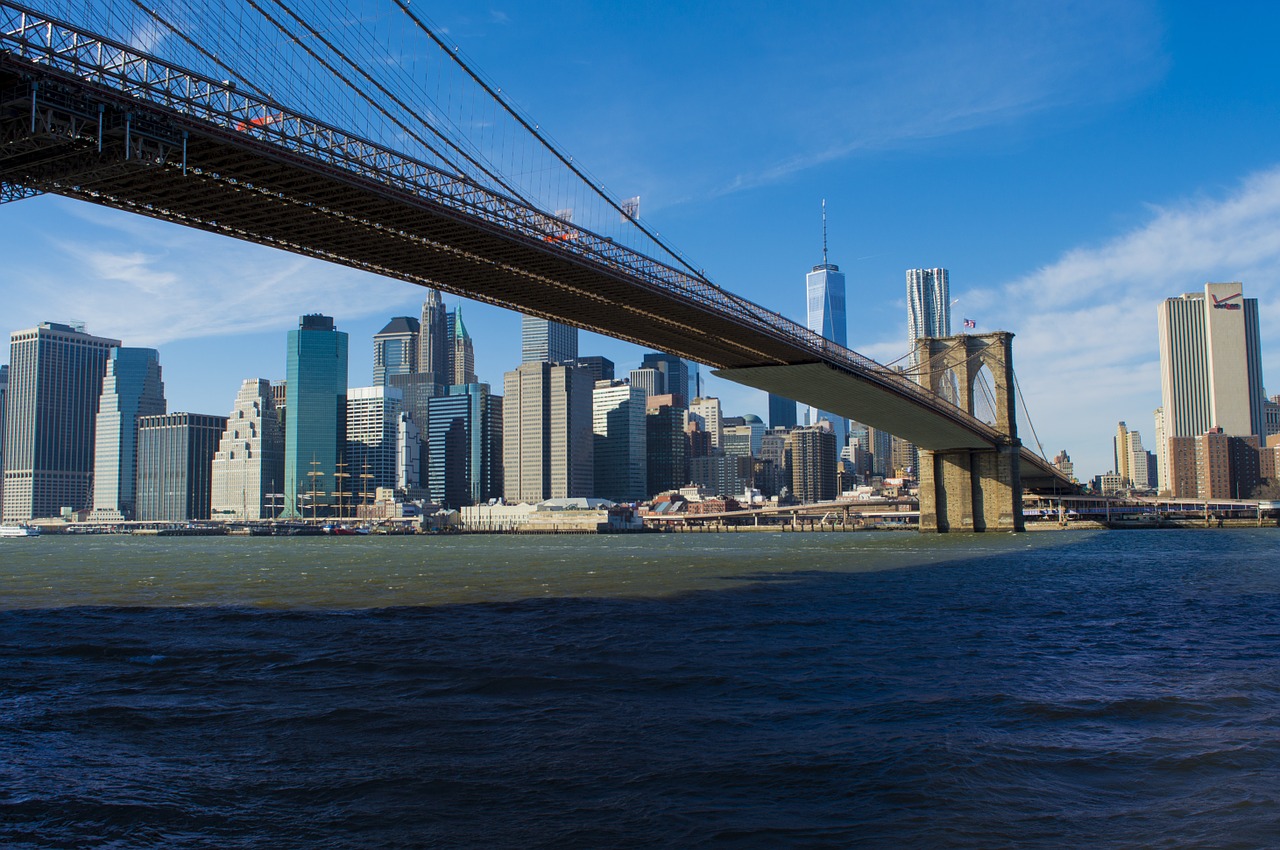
(1087, 353)
(152, 283)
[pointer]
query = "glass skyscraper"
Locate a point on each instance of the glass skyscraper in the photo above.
(675, 373)
(545, 341)
(132, 387)
(315, 428)
(395, 350)
(782, 412)
(618, 418)
(826, 316)
(464, 446)
(55, 379)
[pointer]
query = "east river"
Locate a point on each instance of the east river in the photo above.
(1109, 689)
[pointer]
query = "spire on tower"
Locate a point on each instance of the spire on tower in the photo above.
(824, 231)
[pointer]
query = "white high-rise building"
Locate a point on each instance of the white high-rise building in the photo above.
(132, 387)
(706, 412)
(1211, 364)
(373, 431)
(621, 462)
(408, 452)
(648, 380)
(248, 467)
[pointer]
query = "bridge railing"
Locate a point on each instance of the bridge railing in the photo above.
(274, 128)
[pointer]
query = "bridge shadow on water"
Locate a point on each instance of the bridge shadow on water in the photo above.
(1105, 688)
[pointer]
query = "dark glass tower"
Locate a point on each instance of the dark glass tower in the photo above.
(315, 429)
(782, 412)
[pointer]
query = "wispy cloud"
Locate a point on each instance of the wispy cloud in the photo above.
(1087, 352)
(167, 284)
(913, 73)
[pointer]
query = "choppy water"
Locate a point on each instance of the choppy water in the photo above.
(1109, 690)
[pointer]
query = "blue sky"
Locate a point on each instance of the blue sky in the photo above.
(1071, 164)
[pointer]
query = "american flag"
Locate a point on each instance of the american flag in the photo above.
(970, 323)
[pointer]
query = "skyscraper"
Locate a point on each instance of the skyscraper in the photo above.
(706, 412)
(824, 287)
(395, 350)
(465, 446)
(372, 456)
(248, 466)
(315, 429)
(648, 381)
(1210, 367)
(462, 358)
(4, 392)
(548, 443)
(601, 368)
(132, 387)
(621, 464)
(433, 340)
(55, 379)
(665, 454)
(812, 455)
(175, 466)
(675, 373)
(545, 341)
(782, 412)
(928, 304)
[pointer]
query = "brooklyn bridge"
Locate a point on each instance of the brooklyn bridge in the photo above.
(377, 146)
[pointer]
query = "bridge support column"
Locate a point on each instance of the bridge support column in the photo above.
(968, 489)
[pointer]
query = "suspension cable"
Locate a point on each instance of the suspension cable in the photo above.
(194, 45)
(1022, 399)
(318, 36)
(567, 161)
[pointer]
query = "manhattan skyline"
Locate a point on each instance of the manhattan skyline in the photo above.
(1081, 166)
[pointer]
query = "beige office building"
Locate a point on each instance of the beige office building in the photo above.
(547, 436)
(248, 467)
(1210, 368)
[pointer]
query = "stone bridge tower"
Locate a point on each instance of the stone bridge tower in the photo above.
(971, 489)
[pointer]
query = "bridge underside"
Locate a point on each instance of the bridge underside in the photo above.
(239, 186)
(835, 390)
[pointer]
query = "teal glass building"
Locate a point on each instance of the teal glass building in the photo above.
(315, 429)
(464, 446)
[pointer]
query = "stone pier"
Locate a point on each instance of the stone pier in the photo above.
(968, 489)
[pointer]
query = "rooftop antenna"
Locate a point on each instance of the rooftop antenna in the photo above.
(824, 231)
